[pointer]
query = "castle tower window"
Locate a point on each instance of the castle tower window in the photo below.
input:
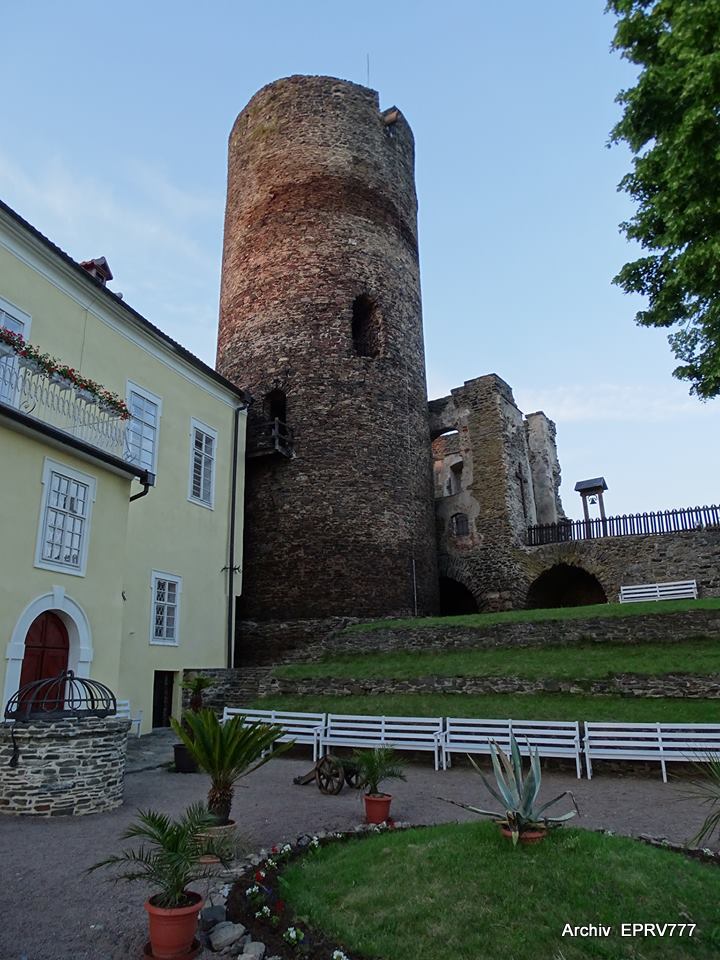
(366, 327)
(275, 405)
(454, 480)
(459, 525)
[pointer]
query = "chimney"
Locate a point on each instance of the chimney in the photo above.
(98, 268)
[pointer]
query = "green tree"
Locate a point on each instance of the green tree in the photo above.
(671, 122)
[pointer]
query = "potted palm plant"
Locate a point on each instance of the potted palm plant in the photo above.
(168, 861)
(518, 794)
(375, 767)
(227, 752)
(184, 763)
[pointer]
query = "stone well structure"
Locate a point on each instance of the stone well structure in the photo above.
(68, 766)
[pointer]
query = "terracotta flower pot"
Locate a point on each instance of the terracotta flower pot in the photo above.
(377, 807)
(526, 836)
(172, 930)
(224, 834)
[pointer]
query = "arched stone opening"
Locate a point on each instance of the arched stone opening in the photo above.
(565, 586)
(455, 598)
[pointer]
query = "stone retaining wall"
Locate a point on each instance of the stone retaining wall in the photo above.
(270, 641)
(72, 766)
(230, 687)
(653, 628)
(687, 686)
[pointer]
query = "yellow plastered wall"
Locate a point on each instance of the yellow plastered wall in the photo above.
(99, 592)
(162, 531)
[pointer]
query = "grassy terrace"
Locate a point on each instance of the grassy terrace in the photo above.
(481, 620)
(587, 661)
(550, 706)
(479, 899)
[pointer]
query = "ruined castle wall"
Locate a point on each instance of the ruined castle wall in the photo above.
(544, 466)
(511, 467)
(321, 210)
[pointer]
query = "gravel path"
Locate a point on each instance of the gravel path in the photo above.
(52, 910)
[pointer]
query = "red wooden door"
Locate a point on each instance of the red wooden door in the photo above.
(46, 649)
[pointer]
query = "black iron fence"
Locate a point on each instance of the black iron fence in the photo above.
(627, 525)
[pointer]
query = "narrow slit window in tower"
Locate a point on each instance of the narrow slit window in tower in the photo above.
(275, 404)
(459, 525)
(366, 330)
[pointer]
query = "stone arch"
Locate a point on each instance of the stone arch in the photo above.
(79, 635)
(565, 585)
(456, 598)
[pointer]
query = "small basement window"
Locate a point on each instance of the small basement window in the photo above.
(366, 327)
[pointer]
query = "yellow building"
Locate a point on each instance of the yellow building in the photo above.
(121, 516)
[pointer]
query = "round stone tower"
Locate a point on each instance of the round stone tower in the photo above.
(320, 319)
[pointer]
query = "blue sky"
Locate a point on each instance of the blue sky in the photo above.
(114, 132)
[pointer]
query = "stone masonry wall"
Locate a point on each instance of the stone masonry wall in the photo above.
(626, 685)
(65, 767)
(653, 628)
(231, 688)
(321, 210)
(504, 456)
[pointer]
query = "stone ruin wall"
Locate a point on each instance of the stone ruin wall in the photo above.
(510, 480)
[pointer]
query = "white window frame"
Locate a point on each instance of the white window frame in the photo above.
(13, 311)
(210, 432)
(133, 387)
(55, 466)
(177, 580)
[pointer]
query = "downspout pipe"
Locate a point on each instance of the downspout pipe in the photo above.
(148, 481)
(231, 551)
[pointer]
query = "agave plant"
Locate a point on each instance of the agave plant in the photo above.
(168, 859)
(226, 752)
(516, 793)
(705, 787)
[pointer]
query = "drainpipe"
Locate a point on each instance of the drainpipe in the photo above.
(147, 480)
(231, 568)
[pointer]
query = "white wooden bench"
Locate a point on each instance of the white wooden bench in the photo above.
(123, 710)
(300, 727)
(401, 733)
(551, 738)
(659, 742)
(677, 590)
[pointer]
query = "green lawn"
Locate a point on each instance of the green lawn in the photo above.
(461, 891)
(549, 706)
(588, 661)
(480, 620)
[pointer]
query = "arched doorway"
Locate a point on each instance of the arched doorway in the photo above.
(47, 648)
(73, 618)
(455, 598)
(565, 586)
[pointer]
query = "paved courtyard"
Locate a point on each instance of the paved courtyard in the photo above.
(52, 910)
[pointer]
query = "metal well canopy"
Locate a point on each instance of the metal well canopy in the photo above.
(63, 696)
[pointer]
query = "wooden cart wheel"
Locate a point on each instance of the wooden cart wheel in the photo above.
(330, 776)
(353, 778)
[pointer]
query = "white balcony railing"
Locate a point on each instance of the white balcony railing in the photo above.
(59, 404)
